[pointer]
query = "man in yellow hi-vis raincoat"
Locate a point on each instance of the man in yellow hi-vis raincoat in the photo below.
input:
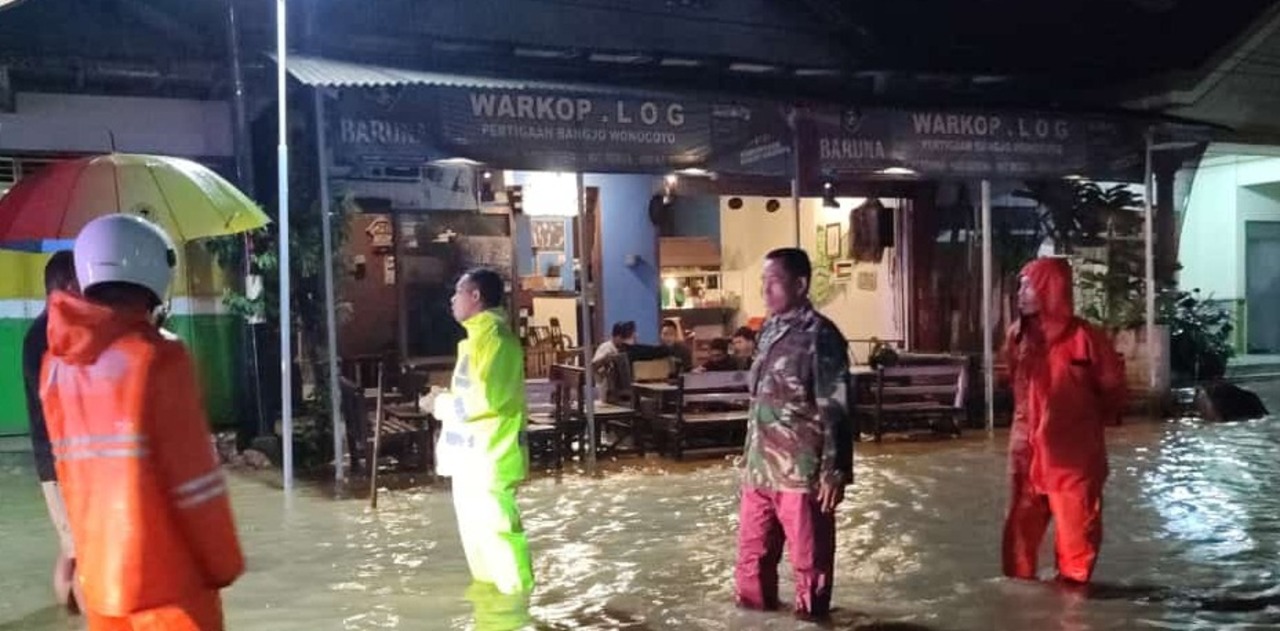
(482, 440)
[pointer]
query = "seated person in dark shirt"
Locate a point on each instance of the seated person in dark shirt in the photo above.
(719, 360)
(744, 347)
(679, 351)
(615, 377)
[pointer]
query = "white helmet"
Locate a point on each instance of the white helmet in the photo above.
(125, 249)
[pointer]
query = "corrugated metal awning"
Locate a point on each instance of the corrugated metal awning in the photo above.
(318, 71)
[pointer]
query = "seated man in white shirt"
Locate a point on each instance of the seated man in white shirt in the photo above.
(624, 335)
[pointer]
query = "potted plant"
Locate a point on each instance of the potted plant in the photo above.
(1200, 336)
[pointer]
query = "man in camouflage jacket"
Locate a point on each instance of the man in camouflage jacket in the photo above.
(799, 451)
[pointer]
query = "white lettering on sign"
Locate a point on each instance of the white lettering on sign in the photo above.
(529, 107)
(560, 109)
(383, 132)
(956, 124)
(979, 126)
(851, 149)
(650, 113)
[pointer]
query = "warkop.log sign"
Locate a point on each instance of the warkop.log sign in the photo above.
(968, 144)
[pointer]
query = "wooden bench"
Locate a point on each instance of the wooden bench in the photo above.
(711, 406)
(405, 433)
(547, 426)
(920, 388)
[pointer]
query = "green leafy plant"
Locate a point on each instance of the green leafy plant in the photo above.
(256, 253)
(1200, 335)
(1078, 213)
(1100, 228)
(822, 289)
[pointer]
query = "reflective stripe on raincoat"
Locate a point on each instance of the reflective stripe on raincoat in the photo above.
(482, 416)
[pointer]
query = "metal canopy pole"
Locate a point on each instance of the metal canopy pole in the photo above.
(795, 175)
(282, 183)
(988, 359)
(584, 302)
(326, 231)
(1148, 237)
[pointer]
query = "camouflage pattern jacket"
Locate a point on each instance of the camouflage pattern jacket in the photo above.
(800, 431)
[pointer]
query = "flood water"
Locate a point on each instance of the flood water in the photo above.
(1192, 521)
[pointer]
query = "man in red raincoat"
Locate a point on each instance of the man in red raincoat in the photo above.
(1068, 382)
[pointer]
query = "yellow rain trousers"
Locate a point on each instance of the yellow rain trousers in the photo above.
(482, 447)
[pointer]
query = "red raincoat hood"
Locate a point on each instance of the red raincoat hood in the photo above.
(1051, 280)
(80, 330)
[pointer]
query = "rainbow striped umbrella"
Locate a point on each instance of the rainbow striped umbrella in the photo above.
(186, 199)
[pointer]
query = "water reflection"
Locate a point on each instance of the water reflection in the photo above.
(496, 611)
(1192, 534)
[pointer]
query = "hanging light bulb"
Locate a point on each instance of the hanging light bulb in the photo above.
(829, 194)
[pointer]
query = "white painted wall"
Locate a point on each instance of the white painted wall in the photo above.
(860, 313)
(81, 123)
(1228, 191)
(1210, 229)
(748, 233)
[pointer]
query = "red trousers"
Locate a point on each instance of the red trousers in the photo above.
(1077, 515)
(766, 520)
(202, 612)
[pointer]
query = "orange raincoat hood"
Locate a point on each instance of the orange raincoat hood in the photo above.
(80, 330)
(1050, 278)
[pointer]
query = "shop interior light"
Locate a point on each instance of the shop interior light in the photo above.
(458, 162)
(548, 194)
(672, 180)
(898, 171)
(829, 195)
(695, 172)
(486, 187)
(1074, 177)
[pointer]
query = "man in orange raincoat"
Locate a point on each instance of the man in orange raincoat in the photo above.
(145, 497)
(1068, 383)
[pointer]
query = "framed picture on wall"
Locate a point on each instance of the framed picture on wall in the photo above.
(842, 271)
(834, 242)
(548, 234)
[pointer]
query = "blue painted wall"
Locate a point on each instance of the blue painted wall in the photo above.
(629, 292)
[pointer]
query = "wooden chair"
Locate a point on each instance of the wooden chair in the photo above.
(572, 381)
(538, 360)
(554, 411)
(917, 389)
(363, 369)
(404, 437)
(543, 416)
(711, 406)
(860, 349)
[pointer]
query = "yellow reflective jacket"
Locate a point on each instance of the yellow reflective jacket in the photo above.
(482, 437)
